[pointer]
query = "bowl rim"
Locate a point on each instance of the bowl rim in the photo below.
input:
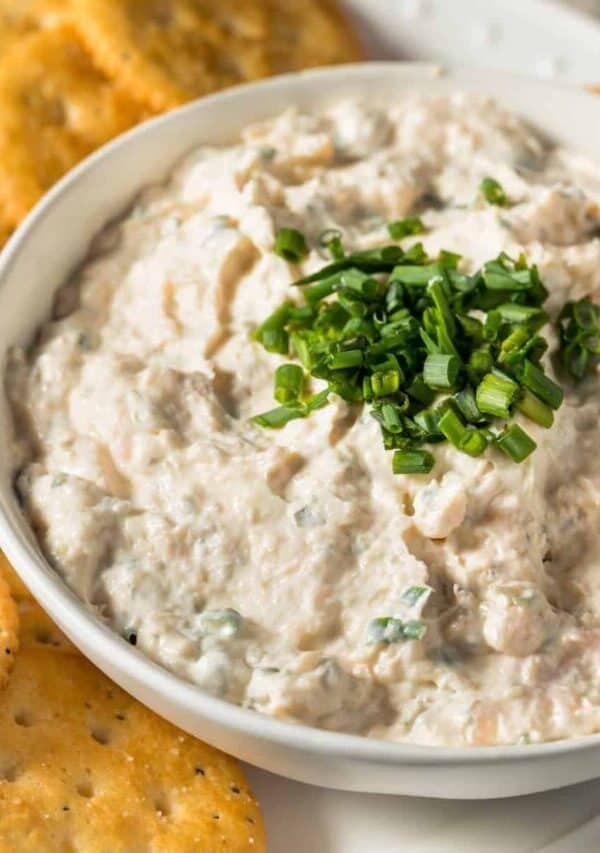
(78, 620)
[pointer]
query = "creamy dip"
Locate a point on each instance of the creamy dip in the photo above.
(252, 561)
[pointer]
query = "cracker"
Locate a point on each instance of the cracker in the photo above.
(20, 17)
(308, 34)
(17, 587)
(5, 232)
(83, 766)
(170, 51)
(9, 627)
(165, 51)
(36, 629)
(55, 108)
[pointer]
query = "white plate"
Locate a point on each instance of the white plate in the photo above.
(542, 38)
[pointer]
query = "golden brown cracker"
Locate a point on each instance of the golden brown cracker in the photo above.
(165, 51)
(170, 51)
(83, 766)
(17, 587)
(5, 232)
(309, 33)
(20, 17)
(9, 629)
(36, 629)
(55, 108)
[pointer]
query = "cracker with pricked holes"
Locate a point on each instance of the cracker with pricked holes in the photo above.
(36, 629)
(83, 766)
(17, 587)
(55, 108)
(170, 51)
(9, 630)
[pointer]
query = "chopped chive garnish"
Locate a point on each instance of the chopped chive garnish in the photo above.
(289, 383)
(414, 629)
(396, 329)
(533, 408)
(343, 360)
(272, 333)
(465, 400)
(412, 462)
(290, 245)
(515, 442)
(512, 312)
(541, 385)
(279, 417)
(441, 371)
(474, 442)
(331, 239)
(389, 629)
(405, 227)
(452, 427)
(495, 395)
(386, 383)
(414, 594)
(579, 331)
(493, 192)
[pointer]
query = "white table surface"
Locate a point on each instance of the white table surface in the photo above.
(305, 819)
(543, 38)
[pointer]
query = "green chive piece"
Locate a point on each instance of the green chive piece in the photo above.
(405, 227)
(495, 395)
(376, 630)
(322, 289)
(441, 370)
(412, 462)
(345, 359)
(493, 192)
(279, 417)
(515, 442)
(541, 385)
(533, 408)
(317, 401)
(512, 312)
(413, 594)
(331, 239)
(465, 400)
(419, 389)
(428, 422)
(414, 629)
(289, 383)
(449, 260)
(497, 276)
(290, 245)
(276, 340)
(480, 362)
(385, 384)
(452, 427)
(473, 442)
(271, 333)
(388, 629)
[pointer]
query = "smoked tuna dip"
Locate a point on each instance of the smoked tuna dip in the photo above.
(252, 561)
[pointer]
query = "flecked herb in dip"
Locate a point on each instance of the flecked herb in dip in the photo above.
(291, 571)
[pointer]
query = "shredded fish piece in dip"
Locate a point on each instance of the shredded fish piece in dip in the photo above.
(290, 571)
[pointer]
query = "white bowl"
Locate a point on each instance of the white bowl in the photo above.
(54, 240)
